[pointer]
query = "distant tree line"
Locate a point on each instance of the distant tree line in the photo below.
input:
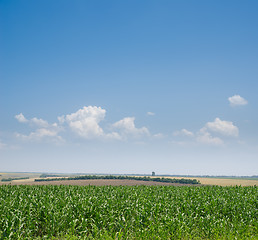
(157, 179)
(10, 179)
(44, 175)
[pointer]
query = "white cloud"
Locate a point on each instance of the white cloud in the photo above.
(222, 127)
(206, 134)
(44, 129)
(113, 135)
(21, 118)
(42, 133)
(127, 127)
(206, 138)
(61, 119)
(183, 132)
(34, 121)
(237, 100)
(39, 122)
(150, 113)
(85, 122)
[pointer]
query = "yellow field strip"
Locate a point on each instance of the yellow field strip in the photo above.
(223, 181)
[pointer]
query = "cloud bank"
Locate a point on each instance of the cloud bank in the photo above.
(89, 123)
(84, 123)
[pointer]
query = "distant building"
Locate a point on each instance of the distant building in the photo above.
(153, 174)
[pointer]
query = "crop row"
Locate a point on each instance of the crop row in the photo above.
(128, 212)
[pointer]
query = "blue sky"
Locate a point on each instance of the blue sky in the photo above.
(129, 86)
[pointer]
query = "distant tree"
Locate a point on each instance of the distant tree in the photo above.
(145, 178)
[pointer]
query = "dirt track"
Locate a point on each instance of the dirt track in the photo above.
(97, 182)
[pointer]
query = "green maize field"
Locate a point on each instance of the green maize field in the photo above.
(128, 212)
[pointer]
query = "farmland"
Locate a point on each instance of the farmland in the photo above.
(128, 212)
(220, 181)
(225, 181)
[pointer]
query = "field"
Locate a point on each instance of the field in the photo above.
(96, 182)
(18, 175)
(203, 180)
(128, 212)
(225, 181)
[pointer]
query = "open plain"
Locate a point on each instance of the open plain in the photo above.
(115, 182)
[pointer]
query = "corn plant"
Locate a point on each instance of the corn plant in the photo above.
(128, 212)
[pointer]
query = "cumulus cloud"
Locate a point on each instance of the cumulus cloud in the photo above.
(183, 132)
(85, 122)
(39, 122)
(43, 129)
(34, 121)
(21, 118)
(237, 100)
(206, 138)
(42, 133)
(209, 133)
(126, 127)
(222, 127)
(113, 135)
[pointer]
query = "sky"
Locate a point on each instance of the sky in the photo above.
(129, 86)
